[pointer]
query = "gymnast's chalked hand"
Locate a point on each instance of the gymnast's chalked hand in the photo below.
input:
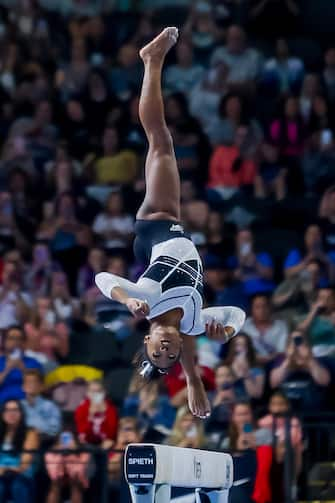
(138, 308)
(217, 332)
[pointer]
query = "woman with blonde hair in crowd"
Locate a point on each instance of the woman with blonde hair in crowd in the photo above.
(187, 431)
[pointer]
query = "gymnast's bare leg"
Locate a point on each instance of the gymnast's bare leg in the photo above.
(162, 199)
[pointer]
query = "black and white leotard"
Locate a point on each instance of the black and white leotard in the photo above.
(173, 279)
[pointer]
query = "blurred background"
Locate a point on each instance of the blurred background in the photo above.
(250, 95)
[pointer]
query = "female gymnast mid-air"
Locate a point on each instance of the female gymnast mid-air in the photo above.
(169, 293)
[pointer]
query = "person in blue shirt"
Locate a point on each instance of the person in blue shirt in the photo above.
(13, 364)
(297, 260)
(41, 414)
(254, 270)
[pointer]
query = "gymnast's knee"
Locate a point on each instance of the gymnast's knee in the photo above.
(160, 143)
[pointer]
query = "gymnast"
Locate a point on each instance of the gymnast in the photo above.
(169, 293)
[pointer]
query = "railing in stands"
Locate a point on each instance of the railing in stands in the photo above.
(319, 436)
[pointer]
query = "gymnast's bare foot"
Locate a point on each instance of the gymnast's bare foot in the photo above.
(157, 49)
(197, 399)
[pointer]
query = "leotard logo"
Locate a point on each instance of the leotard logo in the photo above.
(176, 228)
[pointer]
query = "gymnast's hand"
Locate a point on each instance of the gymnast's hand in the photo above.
(138, 308)
(218, 332)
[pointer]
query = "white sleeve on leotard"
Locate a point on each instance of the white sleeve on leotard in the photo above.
(145, 289)
(227, 316)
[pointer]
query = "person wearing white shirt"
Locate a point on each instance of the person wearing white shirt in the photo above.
(114, 226)
(269, 335)
(185, 74)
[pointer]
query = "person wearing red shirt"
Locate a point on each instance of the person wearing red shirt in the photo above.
(96, 417)
(231, 167)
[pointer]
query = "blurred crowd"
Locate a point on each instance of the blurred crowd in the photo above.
(250, 106)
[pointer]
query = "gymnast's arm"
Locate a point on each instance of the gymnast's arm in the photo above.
(138, 297)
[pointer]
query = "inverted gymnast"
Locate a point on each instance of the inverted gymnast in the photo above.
(169, 293)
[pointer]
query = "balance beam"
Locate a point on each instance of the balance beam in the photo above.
(151, 470)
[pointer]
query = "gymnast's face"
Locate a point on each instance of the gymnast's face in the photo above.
(163, 346)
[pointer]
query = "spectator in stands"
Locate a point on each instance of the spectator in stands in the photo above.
(116, 165)
(192, 148)
(13, 364)
(294, 295)
(96, 418)
(243, 433)
(206, 96)
(241, 358)
(287, 131)
(232, 114)
(114, 227)
(321, 118)
(65, 306)
(98, 102)
(218, 235)
(185, 74)
(134, 136)
(69, 237)
(38, 276)
(71, 77)
(319, 323)
(74, 124)
(279, 409)
(47, 337)
(196, 215)
(126, 76)
(16, 467)
(242, 440)
(297, 261)
(96, 304)
(187, 431)
(14, 303)
(328, 74)
(271, 177)
(95, 263)
(243, 62)
(327, 214)
(302, 377)
(233, 167)
(8, 228)
(222, 401)
(128, 432)
(283, 73)
(41, 414)
(254, 270)
(72, 470)
(150, 405)
(268, 334)
(318, 161)
(310, 89)
(201, 29)
(63, 173)
(220, 286)
(38, 130)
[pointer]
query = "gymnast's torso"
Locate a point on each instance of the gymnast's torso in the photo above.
(176, 266)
